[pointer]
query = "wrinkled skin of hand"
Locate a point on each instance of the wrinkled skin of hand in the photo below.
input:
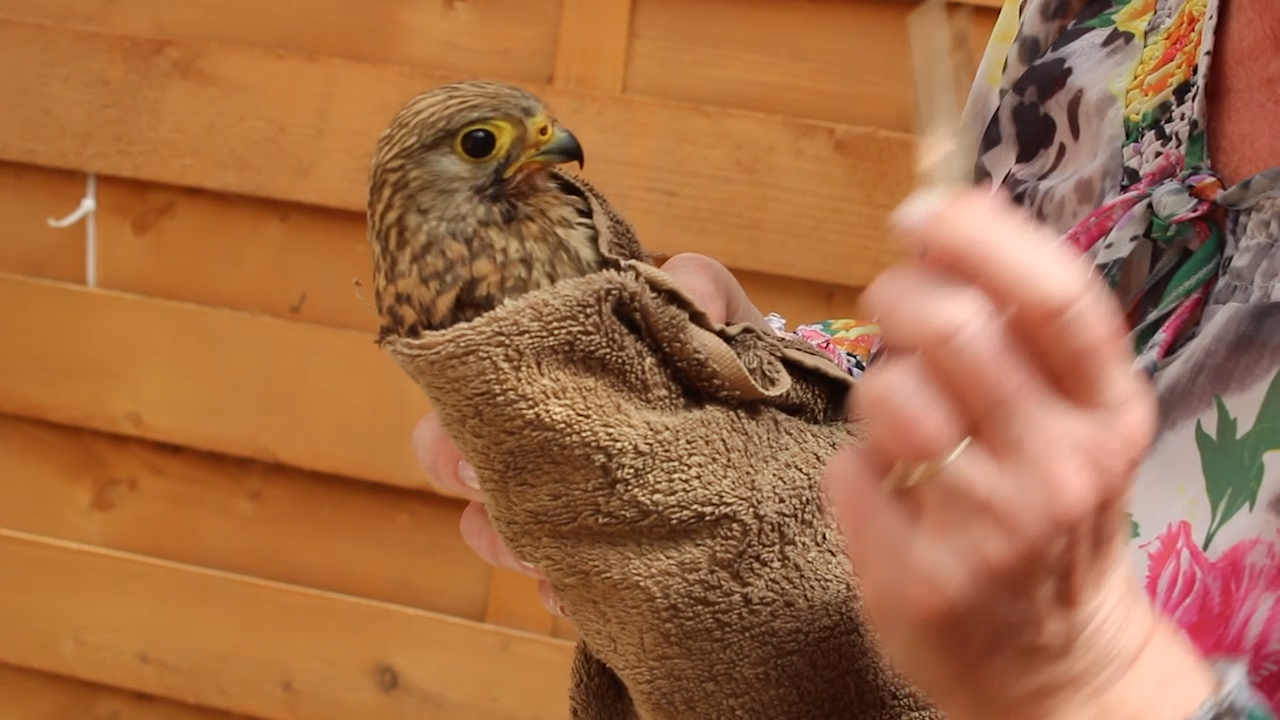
(1000, 585)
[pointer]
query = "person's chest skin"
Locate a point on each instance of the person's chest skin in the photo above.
(1244, 90)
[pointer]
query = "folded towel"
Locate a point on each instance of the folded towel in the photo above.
(663, 471)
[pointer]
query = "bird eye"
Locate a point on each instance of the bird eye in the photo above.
(478, 143)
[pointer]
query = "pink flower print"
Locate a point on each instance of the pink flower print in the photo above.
(822, 342)
(1227, 607)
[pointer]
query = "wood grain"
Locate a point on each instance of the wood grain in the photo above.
(564, 628)
(984, 23)
(511, 39)
(286, 260)
(30, 695)
(265, 649)
(303, 395)
(830, 60)
(238, 516)
(513, 602)
(521, 40)
(591, 48)
(793, 198)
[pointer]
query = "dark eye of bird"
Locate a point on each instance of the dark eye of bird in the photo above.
(478, 144)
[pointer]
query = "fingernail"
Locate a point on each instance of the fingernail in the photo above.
(918, 207)
(527, 566)
(467, 474)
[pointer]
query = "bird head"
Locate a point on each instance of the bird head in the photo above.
(464, 144)
(465, 210)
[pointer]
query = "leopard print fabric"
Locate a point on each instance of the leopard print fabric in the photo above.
(1091, 113)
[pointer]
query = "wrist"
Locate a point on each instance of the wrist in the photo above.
(1127, 662)
(1167, 679)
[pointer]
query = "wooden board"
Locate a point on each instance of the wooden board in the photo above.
(302, 395)
(787, 197)
(747, 54)
(985, 15)
(564, 628)
(283, 259)
(238, 516)
(833, 60)
(520, 40)
(259, 648)
(512, 39)
(826, 59)
(591, 49)
(29, 695)
(513, 602)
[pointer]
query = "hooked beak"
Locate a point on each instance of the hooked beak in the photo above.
(561, 147)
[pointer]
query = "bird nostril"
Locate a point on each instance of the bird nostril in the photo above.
(544, 131)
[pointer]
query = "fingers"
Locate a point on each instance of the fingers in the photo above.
(549, 599)
(963, 373)
(869, 518)
(927, 554)
(446, 469)
(973, 508)
(442, 461)
(714, 289)
(479, 535)
(899, 561)
(998, 333)
(909, 416)
(965, 352)
(1062, 312)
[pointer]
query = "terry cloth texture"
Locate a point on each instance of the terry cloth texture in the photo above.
(664, 473)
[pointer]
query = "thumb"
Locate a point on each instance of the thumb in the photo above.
(714, 288)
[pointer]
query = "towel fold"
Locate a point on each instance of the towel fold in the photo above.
(664, 471)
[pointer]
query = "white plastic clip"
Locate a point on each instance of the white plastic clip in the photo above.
(87, 211)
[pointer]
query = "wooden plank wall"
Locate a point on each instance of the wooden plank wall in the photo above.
(209, 506)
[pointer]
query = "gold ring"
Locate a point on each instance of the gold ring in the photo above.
(903, 476)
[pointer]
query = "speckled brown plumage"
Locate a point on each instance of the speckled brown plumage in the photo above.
(454, 236)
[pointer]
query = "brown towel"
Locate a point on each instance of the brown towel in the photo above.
(663, 471)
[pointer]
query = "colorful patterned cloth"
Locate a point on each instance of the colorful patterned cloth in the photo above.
(1092, 113)
(849, 343)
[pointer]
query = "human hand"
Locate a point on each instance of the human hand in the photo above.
(999, 585)
(710, 285)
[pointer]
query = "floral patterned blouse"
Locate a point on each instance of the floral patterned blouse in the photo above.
(1092, 114)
